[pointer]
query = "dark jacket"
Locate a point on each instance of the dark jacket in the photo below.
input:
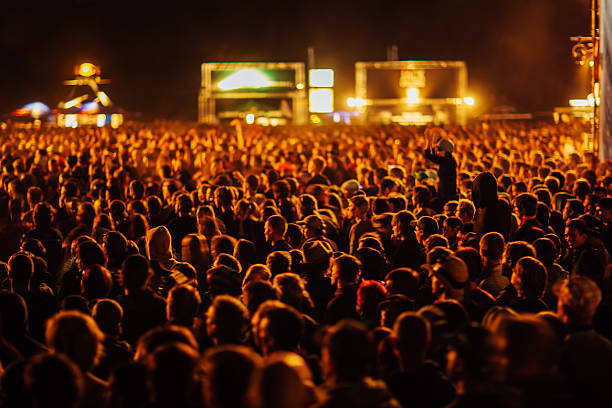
(447, 174)
(366, 393)
(492, 214)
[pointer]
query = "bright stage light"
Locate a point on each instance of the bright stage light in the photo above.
(71, 121)
(469, 101)
(321, 100)
(321, 78)
(101, 120)
(300, 86)
(90, 107)
(87, 69)
(103, 98)
(591, 63)
(578, 102)
(36, 109)
(355, 102)
(245, 78)
(250, 118)
(412, 95)
(116, 120)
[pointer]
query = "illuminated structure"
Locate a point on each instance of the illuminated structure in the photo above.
(259, 92)
(92, 107)
(411, 92)
(321, 92)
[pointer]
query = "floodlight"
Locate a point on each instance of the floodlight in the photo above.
(412, 95)
(578, 102)
(103, 98)
(469, 101)
(355, 102)
(86, 69)
(250, 118)
(321, 100)
(321, 78)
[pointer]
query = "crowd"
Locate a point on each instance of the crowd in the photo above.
(168, 265)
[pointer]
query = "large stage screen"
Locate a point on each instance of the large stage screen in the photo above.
(253, 80)
(253, 90)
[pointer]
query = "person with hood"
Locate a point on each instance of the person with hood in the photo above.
(439, 150)
(492, 213)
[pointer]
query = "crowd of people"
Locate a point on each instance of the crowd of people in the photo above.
(169, 265)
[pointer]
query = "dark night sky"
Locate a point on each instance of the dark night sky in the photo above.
(517, 51)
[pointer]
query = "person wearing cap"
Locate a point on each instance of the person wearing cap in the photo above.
(582, 259)
(439, 150)
(314, 230)
(450, 280)
(358, 211)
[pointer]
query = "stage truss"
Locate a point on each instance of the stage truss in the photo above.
(410, 99)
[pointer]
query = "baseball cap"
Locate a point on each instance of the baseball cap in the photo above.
(313, 221)
(452, 271)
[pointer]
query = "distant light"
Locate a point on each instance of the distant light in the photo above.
(75, 102)
(300, 86)
(245, 78)
(250, 118)
(36, 109)
(101, 120)
(315, 119)
(116, 120)
(263, 121)
(578, 102)
(90, 107)
(87, 69)
(412, 95)
(591, 63)
(321, 78)
(355, 102)
(103, 98)
(321, 100)
(469, 101)
(337, 117)
(71, 121)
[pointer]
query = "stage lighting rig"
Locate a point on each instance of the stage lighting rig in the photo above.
(582, 51)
